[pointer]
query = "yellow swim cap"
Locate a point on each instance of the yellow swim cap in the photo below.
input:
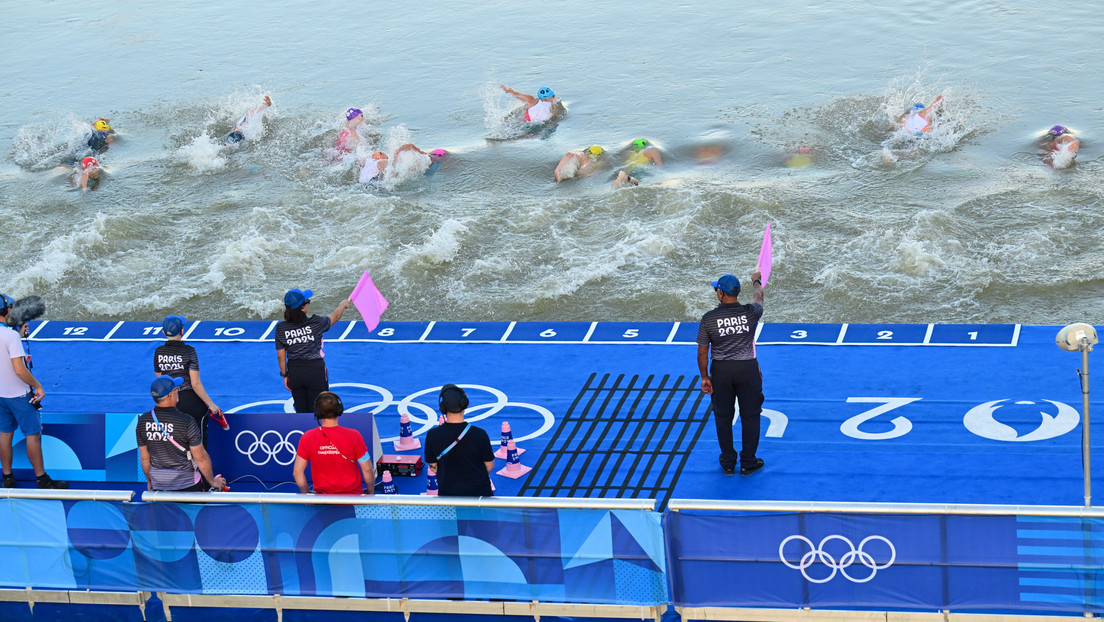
(102, 126)
(595, 150)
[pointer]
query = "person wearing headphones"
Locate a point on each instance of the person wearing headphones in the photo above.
(338, 457)
(20, 400)
(457, 451)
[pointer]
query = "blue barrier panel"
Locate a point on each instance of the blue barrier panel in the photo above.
(594, 556)
(467, 331)
(631, 332)
(885, 334)
(974, 334)
(552, 332)
(386, 331)
(799, 333)
(885, 562)
(56, 329)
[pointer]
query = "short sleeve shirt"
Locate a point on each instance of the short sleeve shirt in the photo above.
(333, 453)
(170, 468)
(10, 384)
(730, 331)
(462, 472)
(176, 358)
(302, 341)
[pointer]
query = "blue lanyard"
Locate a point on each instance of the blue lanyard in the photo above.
(449, 448)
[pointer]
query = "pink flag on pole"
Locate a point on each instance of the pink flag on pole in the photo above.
(766, 256)
(369, 301)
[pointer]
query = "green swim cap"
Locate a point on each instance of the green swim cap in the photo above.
(639, 144)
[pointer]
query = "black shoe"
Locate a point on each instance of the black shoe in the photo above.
(9, 481)
(748, 470)
(729, 470)
(45, 481)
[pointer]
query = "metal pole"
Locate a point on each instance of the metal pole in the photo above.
(1085, 348)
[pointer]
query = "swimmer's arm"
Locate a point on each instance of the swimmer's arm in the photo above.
(564, 161)
(409, 147)
(528, 99)
(84, 182)
(655, 156)
(931, 107)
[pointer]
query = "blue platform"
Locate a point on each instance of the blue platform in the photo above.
(880, 413)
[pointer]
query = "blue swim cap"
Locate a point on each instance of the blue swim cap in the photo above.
(918, 106)
(545, 93)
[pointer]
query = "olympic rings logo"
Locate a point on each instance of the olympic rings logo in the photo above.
(821, 554)
(269, 451)
(424, 415)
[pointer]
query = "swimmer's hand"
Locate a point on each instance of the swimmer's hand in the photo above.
(267, 100)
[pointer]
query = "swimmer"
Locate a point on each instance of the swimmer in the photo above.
(348, 140)
(102, 135)
(376, 166)
(803, 157)
(542, 107)
(236, 135)
(89, 172)
(642, 155)
(918, 119)
(579, 163)
(1061, 146)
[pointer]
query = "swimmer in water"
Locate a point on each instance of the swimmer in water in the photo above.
(918, 119)
(348, 140)
(1061, 146)
(236, 135)
(102, 135)
(541, 107)
(89, 172)
(579, 163)
(803, 157)
(641, 156)
(376, 166)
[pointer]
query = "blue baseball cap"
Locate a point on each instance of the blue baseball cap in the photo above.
(296, 298)
(545, 93)
(173, 325)
(728, 284)
(163, 385)
(8, 301)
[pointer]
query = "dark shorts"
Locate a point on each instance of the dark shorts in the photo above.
(18, 413)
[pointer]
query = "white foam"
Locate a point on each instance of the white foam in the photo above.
(204, 153)
(63, 254)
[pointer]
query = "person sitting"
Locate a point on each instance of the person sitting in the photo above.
(579, 163)
(918, 119)
(237, 134)
(541, 107)
(338, 457)
(457, 451)
(170, 445)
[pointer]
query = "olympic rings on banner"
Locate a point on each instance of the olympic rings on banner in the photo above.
(819, 553)
(269, 451)
(423, 414)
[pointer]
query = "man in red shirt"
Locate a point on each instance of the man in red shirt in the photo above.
(339, 459)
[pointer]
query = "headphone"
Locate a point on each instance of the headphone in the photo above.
(317, 400)
(451, 387)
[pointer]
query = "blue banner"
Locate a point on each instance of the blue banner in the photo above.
(552, 555)
(884, 562)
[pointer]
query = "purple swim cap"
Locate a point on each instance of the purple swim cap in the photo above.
(1058, 130)
(352, 113)
(438, 153)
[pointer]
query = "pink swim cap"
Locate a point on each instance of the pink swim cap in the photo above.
(438, 153)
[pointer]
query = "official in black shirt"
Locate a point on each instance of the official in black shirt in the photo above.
(459, 452)
(179, 360)
(299, 348)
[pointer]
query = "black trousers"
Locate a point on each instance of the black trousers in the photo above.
(190, 403)
(307, 378)
(737, 381)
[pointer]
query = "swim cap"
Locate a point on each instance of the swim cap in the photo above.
(803, 149)
(595, 150)
(102, 126)
(89, 162)
(918, 106)
(352, 113)
(545, 93)
(437, 154)
(639, 144)
(379, 155)
(1058, 130)
(233, 137)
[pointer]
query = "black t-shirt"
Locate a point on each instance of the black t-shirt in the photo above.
(302, 341)
(462, 471)
(730, 331)
(176, 358)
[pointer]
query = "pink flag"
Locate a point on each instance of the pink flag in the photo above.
(766, 256)
(369, 301)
